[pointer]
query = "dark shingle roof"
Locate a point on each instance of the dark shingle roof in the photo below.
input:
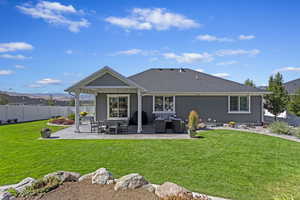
(292, 86)
(187, 80)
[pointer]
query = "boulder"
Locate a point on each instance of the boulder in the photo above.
(64, 176)
(150, 187)
(171, 189)
(130, 181)
(19, 187)
(102, 176)
(6, 196)
(86, 177)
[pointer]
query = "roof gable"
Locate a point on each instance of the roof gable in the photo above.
(104, 76)
(107, 80)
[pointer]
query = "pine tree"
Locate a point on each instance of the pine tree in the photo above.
(276, 102)
(249, 82)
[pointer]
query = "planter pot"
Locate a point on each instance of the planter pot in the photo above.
(45, 132)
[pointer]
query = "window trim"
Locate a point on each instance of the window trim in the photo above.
(240, 112)
(128, 105)
(153, 104)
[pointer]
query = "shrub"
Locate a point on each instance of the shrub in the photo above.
(296, 132)
(232, 124)
(193, 120)
(83, 113)
(41, 186)
(71, 116)
(280, 128)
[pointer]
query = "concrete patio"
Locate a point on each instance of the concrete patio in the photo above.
(85, 133)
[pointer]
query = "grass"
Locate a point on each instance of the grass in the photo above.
(224, 163)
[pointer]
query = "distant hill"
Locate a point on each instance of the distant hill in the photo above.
(60, 99)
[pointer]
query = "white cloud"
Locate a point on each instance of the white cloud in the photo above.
(231, 52)
(17, 57)
(20, 66)
(49, 81)
(34, 86)
(54, 13)
(246, 37)
(69, 51)
(189, 57)
(14, 46)
(136, 52)
(221, 75)
(286, 69)
(200, 70)
(227, 63)
(156, 18)
(6, 72)
(211, 38)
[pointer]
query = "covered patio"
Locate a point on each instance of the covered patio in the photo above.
(148, 133)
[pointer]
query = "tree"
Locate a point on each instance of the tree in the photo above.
(51, 101)
(3, 100)
(278, 100)
(249, 83)
(72, 102)
(294, 105)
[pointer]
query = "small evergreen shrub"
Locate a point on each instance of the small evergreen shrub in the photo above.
(280, 128)
(193, 122)
(41, 186)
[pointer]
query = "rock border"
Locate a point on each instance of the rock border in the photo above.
(103, 177)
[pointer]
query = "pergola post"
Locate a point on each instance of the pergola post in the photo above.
(139, 129)
(77, 112)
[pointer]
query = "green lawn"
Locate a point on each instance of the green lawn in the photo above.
(224, 163)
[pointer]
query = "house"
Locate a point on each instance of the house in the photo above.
(292, 86)
(169, 90)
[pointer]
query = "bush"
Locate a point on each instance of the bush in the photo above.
(296, 132)
(83, 114)
(41, 186)
(193, 120)
(71, 116)
(232, 124)
(280, 128)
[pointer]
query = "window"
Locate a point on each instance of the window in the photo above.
(239, 104)
(118, 107)
(164, 104)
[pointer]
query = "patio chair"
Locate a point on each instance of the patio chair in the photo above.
(94, 125)
(123, 127)
(178, 126)
(160, 126)
(112, 127)
(102, 127)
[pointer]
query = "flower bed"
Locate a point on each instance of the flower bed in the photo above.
(61, 121)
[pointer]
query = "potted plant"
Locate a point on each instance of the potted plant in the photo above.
(45, 132)
(192, 124)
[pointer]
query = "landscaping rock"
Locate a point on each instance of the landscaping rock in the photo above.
(150, 187)
(19, 187)
(6, 196)
(130, 181)
(64, 176)
(86, 177)
(201, 196)
(171, 189)
(102, 176)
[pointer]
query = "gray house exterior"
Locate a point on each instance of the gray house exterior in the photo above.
(168, 90)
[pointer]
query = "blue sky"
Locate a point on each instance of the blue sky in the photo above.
(45, 46)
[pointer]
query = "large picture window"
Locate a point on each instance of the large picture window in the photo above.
(118, 107)
(239, 104)
(163, 104)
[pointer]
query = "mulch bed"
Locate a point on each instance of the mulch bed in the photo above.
(85, 190)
